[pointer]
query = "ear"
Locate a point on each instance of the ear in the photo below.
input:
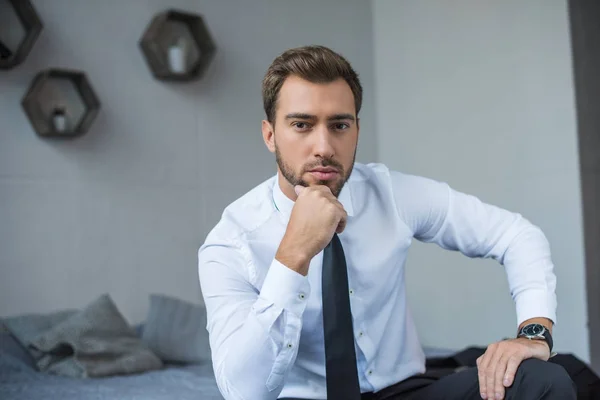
(268, 134)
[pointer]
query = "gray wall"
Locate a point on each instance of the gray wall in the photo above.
(124, 209)
(480, 95)
(585, 30)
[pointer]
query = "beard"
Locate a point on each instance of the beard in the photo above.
(335, 186)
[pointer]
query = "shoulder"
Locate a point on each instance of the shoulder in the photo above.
(379, 174)
(406, 191)
(369, 174)
(244, 215)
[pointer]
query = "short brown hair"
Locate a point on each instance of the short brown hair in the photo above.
(317, 64)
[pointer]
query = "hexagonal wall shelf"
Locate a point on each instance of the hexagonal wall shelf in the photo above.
(61, 103)
(177, 46)
(20, 27)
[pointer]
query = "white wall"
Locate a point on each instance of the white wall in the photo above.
(480, 95)
(124, 209)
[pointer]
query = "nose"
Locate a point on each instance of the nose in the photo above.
(323, 143)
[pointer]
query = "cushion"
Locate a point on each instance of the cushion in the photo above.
(139, 329)
(11, 346)
(25, 327)
(176, 330)
(95, 342)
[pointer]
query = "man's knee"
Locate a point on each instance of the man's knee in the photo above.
(545, 380)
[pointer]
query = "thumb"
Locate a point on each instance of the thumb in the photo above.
(299, 189)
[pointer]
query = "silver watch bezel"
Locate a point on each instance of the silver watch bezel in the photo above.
(536, 336)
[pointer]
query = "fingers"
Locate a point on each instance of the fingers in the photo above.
(318, 188)
(340, 214)
(496, 369)
(342, 224)
(511, 370)
(498, 381)
(321, 190)
(481, 377)
(490, 363)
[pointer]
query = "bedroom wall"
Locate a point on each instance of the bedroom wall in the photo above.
(124, 209)
(480, 95)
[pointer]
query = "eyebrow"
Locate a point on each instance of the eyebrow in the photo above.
(334, 117)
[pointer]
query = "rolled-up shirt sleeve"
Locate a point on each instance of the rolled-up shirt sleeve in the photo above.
(254, 334)
(457, 221)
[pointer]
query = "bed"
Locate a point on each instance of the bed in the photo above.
(19, 381)
(93, 353)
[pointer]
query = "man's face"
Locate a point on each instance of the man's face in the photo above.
(315, 134)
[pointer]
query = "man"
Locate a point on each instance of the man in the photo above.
(303, 277)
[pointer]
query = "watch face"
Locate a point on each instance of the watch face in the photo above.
(533, 329)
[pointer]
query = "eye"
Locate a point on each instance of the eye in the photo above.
(299, 125)
(340, 126)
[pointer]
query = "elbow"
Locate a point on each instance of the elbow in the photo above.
(523, 242)
(240, 381)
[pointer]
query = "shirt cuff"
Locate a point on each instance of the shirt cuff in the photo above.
(286, 288)
(534, 304)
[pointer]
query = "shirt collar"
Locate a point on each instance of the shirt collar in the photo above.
(284, 204)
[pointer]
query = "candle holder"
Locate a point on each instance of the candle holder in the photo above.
(11, 56)
(177, 46)
(60, 103)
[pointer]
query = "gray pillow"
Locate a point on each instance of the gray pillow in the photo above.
(176, 330)
(26, 327)
(97, 341)
(11, 346)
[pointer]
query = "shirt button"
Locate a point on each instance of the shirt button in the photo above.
(301, 296)
(290, 346)
(351, 291)
(370, 372)
(360, 334)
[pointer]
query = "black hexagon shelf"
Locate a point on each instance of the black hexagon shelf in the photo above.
(20, 27)
(61, 103)
(177, 46)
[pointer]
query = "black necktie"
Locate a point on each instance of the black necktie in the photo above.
(340, 357)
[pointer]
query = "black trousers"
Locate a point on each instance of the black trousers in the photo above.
(535, 380)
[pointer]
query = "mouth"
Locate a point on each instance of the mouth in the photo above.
(324, 173)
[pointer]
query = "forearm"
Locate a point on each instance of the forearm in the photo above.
(257, 359)
(255, 337)
(531, 277)
(482, 230)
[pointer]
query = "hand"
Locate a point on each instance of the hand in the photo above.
(316, 216)
(497, 367)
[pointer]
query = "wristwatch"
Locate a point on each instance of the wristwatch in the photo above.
(536, 332)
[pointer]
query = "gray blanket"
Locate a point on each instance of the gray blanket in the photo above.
(94, 342)
(19, 382)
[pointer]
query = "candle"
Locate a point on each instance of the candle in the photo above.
(177, 57)
(59, 119)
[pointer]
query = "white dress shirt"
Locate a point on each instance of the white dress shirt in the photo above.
(265, 320)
